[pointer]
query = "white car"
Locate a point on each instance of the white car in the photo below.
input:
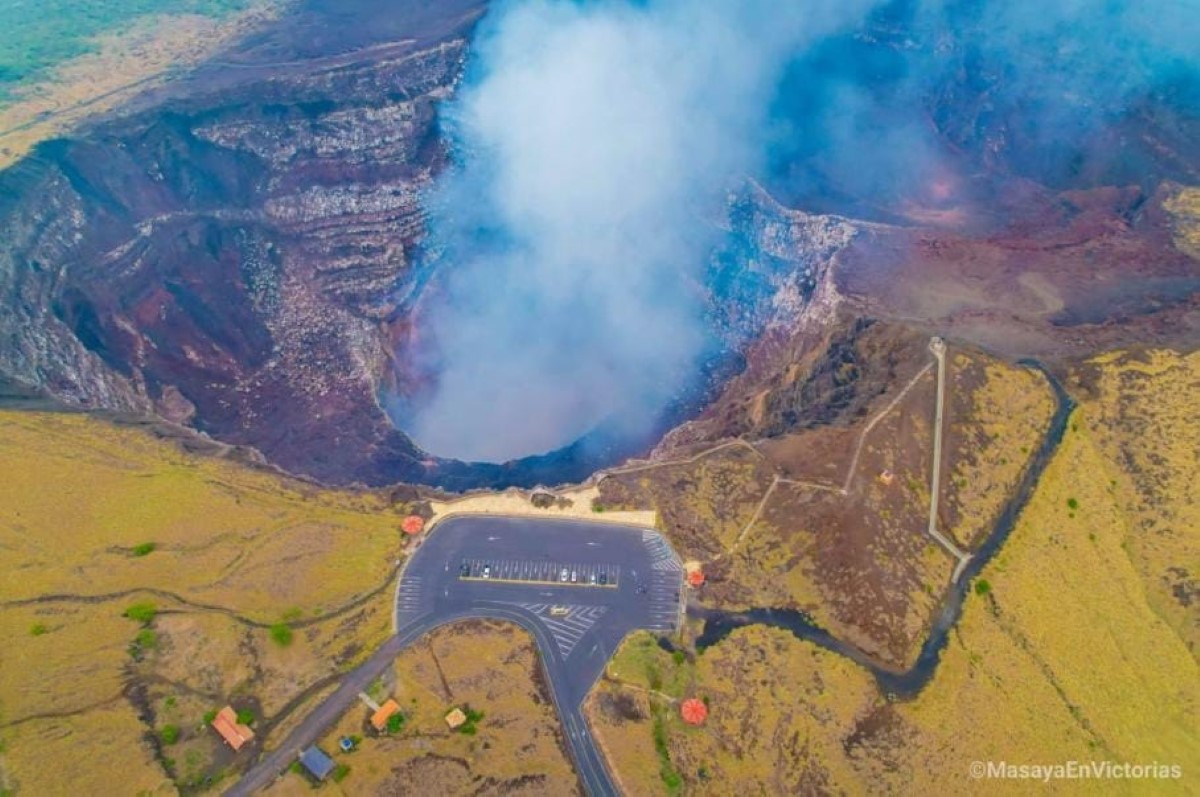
(574, 576)
(563, 576)
(487, 571)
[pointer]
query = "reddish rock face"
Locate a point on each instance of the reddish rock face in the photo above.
(238, 253)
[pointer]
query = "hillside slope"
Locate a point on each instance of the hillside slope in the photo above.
(1077, 642)
(98, 519)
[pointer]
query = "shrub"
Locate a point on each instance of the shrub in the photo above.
(144, 549)
(209, 716)
(169, 734)
(146, 639)
(281, 634)
(982, 587)
(340, 772)
(296, 768)
(143, 613)
(666, 769)
(395, 722)
(1072, 504)
(38, 629)
(245, 717)
(678, 657)
(470, 726)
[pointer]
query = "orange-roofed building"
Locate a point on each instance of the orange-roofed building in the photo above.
(693, 711)
(413, 524)
(695, 577)
(380, 718)
(233, 732)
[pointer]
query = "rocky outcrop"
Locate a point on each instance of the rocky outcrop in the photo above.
(238, 255)
(230, 259)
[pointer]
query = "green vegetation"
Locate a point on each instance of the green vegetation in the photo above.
(296, 769)
(340, 772)
(281, 634)
(395, 723)
(143, 613)
(473, 717)
(216, 510)
(40, 36)
(641, 662)
(38, 629)
(169, 734)
(1072, 504)
(376, 690)
(144, 549)
(982, 587)
(293, 614)
(245, 716)
(209, 716)
(666, 769)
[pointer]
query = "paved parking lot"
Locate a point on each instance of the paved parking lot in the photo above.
(513, 567)
(541, 571)
(576, 625)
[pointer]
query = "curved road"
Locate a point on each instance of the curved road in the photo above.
(519, 552)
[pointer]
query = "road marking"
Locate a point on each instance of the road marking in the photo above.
(568, 630)
(529, 572)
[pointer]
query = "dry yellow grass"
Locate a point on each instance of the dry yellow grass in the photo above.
(999, 415)
(144, 55)
(1184, 206)
(1070, 655)
(493, 668)
(1066, 658)
(235, 548)
(1143, 423)
(80, 494)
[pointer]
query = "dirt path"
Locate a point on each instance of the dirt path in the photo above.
(735, 443)
(862, 437)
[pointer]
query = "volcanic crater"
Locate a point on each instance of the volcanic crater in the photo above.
(240, 253)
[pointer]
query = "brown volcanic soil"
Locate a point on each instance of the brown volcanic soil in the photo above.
(233, 253)
(1070, 273)
(782, 521)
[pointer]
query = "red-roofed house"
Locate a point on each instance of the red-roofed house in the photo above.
(232, 731)
(379, 719)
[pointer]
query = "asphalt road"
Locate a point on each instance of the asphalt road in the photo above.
(574, 648)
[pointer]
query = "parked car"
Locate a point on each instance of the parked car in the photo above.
(603, 579)
(574, 576)
(487, 571)
(563, 576)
